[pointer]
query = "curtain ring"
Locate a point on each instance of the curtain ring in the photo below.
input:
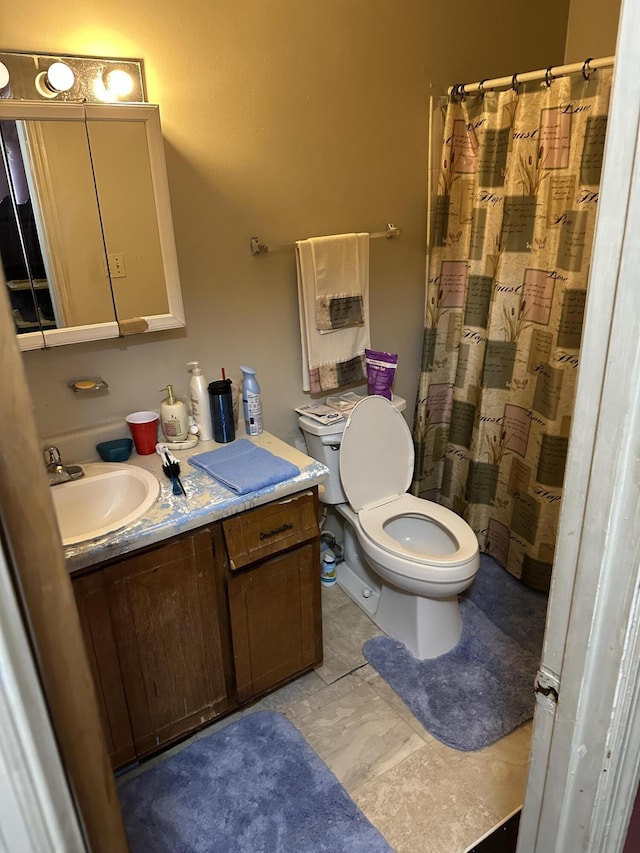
(481, 87)
(585, 65)
(514, 82)
(548, 76)
(457, 91)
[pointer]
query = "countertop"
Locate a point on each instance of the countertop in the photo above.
(206, 501)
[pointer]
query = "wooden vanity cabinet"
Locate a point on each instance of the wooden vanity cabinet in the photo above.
(155, 637)
(190, 629)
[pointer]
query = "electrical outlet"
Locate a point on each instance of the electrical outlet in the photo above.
(116, 266)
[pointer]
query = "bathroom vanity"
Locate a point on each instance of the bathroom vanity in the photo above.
(182, 627)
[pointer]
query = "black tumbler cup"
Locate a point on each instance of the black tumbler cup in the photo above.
(222, 410)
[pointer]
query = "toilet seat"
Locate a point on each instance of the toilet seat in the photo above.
(373, 523)
(376, 467)
(376, 454)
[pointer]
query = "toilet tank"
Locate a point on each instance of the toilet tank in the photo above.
(323, 443)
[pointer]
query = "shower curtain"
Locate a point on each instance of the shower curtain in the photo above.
(512, 233)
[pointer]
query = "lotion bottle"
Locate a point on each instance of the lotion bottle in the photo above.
(174, 417)
(200, 408)
(251, 401)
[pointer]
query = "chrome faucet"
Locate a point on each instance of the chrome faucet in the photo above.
(56, 471)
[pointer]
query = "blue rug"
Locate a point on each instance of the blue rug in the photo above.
(255, 786)
(520, 612)
(483, 688)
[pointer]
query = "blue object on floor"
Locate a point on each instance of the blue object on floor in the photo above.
(516, 609)
(483, 688)
(255, 786)
(243, 467)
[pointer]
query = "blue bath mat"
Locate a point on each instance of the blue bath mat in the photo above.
(516, 609)
(255, 786)
(483, 688)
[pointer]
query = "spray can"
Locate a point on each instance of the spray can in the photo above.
(328, 569)
(251, 401)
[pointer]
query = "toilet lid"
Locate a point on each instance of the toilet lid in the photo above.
(376, 454)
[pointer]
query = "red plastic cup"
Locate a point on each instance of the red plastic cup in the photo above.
(144, 431)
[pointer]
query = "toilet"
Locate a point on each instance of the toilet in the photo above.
(406, 559)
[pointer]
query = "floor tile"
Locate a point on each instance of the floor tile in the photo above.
(422, 806)
(377, 683)
(499, 770)
(333, 598)
(358, 735)
(321, 698)
(345, 629)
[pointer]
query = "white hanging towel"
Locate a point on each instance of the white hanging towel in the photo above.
(340, 271)
(333, 302)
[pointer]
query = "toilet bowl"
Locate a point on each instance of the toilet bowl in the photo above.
(405, 559)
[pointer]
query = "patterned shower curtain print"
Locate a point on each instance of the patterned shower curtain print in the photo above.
(513, 228)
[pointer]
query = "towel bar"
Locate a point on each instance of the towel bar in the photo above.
(258, 248)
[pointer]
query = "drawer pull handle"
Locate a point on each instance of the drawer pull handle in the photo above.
(281, 529)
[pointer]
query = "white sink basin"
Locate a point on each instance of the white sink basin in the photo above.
(109, 496)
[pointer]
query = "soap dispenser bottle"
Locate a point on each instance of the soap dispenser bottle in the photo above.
(174, 417)
(251, 401)
(200, 408)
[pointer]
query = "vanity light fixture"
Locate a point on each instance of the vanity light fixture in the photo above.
(85, 79)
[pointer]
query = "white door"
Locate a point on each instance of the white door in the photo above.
(584, 767)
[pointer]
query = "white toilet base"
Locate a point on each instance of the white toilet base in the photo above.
(428, 627)
(366, 596)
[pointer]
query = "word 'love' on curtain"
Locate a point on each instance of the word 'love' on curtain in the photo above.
(506, 293)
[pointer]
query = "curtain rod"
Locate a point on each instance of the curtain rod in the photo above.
(587, 67)
(258, 248)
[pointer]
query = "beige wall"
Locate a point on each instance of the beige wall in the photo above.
(282, 119)
(592, 29)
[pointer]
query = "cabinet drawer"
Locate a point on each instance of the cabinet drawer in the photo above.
(268, 529)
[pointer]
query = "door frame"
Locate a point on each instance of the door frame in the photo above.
(35, 562)
(585, 754)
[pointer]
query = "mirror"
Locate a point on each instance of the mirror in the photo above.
(86, 238)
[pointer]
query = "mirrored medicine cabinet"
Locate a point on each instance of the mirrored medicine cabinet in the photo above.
(86, 235)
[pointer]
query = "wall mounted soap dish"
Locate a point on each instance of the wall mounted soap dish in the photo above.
(87, 385)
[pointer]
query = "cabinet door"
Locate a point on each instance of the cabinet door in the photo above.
(276, 622)
(95, 620)
(165, 617)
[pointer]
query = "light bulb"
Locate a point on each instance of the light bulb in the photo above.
(119, 83)
(4, 76)
(60, 78)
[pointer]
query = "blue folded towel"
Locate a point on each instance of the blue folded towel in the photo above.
(243, 467)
